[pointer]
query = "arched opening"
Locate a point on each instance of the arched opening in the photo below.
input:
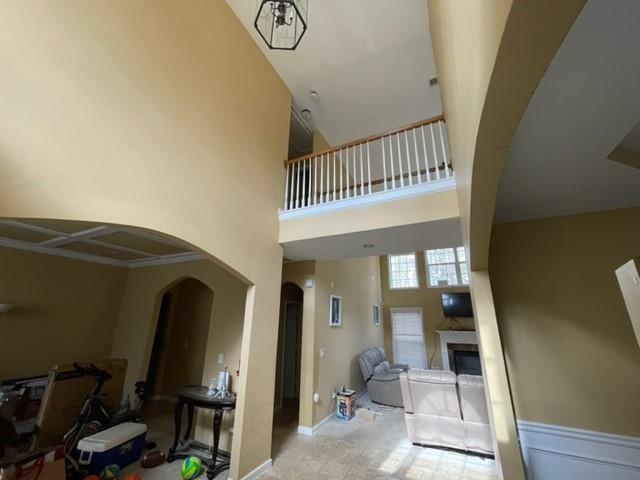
(180, 339)
(288, 364)
(135, 302)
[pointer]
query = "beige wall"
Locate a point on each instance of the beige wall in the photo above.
(141, 114)
(298, 273)
(563, 321)
(58, 301)
(319, 142)
(489, 57)
(139, 315)
(185, 347)
(357, 281)
(429, 299)
(407, 211)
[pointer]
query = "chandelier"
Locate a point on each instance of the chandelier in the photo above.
(281, 23)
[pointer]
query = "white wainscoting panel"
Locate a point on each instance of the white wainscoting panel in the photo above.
(552, 452)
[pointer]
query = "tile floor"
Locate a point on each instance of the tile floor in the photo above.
(355, 450)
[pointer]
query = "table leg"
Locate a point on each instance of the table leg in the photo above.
(177, 424)
(187, 434)
(217, 423)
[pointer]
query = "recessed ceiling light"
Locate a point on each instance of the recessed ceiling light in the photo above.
(306, 114)
(367, 245)
(314, 94)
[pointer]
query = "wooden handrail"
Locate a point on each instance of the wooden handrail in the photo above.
(371, 138)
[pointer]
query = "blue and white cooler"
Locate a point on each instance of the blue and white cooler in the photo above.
(120, 445)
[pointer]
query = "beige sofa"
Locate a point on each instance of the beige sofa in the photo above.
(381, 377)
(447, 411)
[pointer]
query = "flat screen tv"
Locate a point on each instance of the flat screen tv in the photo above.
(457, 305)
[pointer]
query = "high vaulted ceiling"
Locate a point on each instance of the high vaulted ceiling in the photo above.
(370, 62)
(585, 106)
(94, 242)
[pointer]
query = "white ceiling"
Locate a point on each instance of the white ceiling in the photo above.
(115, 245)
(369, 60)
(408, 238)
(586, 104)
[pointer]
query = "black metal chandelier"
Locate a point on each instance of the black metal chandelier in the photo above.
(281, 23)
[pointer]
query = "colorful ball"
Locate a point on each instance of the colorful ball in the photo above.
(133, 476)
(191, 468)
(110, 472)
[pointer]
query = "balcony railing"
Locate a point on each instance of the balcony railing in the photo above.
(414, 156)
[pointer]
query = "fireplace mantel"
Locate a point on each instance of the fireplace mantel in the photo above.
(454, 336)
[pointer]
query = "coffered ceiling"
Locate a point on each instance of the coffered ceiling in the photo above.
(94, 242)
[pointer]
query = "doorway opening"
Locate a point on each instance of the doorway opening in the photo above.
(180, 342)
(287, 392)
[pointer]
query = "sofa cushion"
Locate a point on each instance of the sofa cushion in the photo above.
(431, 376)
(368, 361)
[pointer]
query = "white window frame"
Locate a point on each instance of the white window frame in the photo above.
(393, 333)
(390, 273)
(457, 267)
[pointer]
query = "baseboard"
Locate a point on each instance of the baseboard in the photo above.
(311, 430)
(256, 472)
(553, 452)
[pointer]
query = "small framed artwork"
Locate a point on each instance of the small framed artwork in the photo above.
(376, 315)
(335, 311)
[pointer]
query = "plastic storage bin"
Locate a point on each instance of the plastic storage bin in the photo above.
(120, 445)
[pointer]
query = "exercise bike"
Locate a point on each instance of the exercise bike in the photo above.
(95, 416)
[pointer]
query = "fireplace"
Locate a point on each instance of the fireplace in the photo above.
(466, 362)
(460, 352)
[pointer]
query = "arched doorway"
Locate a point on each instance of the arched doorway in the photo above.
(288, 366)
(180, 340)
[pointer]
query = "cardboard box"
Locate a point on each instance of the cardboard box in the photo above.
(345, 404)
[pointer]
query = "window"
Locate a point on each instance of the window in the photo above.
(447, 267)
(408, 338)
(403, 271)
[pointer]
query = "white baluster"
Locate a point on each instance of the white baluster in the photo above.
(315, 180)
(444, 151)
(304, 183)
(415, 148)
(286, 187)
(341, 165)
(409, 167)
(435, 154)
(334, 176)
(426, 156)
(384, 167)
(346, 162)
(321, 176)
(393, 173)
(361, 173)
(369, 169)
(295, 186)
(400, 160)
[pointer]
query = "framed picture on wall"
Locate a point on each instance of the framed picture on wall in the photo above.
(376, 315)
(335, 311)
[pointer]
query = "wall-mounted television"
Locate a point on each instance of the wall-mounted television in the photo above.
(457, 305)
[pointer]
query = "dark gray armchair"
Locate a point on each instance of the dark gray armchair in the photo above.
(381, 377)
